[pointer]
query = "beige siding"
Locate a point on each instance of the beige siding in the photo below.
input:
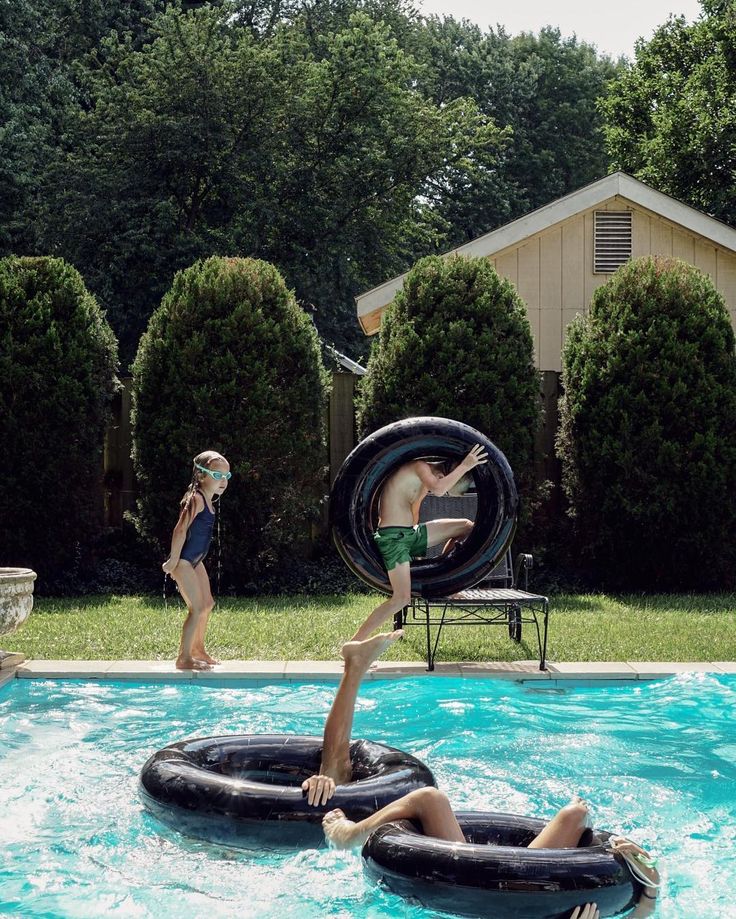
(555, 278)
(641, 242)
(705, 258)
(661, 237)
(508, 266)
(726, 280)
(683, 246)
(528, 287)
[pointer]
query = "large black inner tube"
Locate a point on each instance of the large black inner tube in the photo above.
(493, 874)
(357, 486)
(238, 787)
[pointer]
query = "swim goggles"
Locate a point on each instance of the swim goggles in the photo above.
(215, 475)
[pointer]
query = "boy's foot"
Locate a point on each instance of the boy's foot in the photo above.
(192, 663)
(341, 832)
(361, 654)
(204, 656)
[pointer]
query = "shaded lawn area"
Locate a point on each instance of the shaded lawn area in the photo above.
(582, 627)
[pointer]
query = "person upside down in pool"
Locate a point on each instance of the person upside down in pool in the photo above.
(430, 807)
(400, 537)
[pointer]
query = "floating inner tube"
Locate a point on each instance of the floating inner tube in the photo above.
(241, 787)
(493, 874)
(356, 490)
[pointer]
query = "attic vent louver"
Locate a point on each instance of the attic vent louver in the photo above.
(612, 240)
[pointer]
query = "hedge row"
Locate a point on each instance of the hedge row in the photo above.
(230, 362)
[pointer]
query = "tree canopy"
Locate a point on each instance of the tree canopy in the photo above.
(339, 140)
(670, 116)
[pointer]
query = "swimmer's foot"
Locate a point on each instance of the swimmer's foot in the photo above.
(361, 654)
(202, 655)
(341, 832)
(192, 663)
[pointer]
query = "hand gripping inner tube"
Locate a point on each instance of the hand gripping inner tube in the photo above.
(244, 787)
(355, 494)
(493, 874)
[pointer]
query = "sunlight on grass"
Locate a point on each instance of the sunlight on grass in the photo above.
(582, 627)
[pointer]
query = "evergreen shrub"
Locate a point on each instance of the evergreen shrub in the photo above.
(230, 362)
(58, 362)
(456, 342)
(648, 430)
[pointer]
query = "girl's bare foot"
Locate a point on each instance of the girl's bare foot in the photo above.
(341, 832)
(361, 654)
(192, 663)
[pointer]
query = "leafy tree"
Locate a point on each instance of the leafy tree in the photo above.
(456, 342)
(230, 362)
(542, 90)
(208, 140)
(669, 116)
(648, 429)
(42, 43)
(58, 359)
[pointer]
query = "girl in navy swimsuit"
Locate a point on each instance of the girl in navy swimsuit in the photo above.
(190, 543)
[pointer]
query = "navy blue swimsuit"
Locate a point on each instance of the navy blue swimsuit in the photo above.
(199, 537)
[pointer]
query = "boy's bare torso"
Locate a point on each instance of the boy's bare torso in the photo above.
(401, 497)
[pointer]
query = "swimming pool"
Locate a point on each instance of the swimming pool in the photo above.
(657, 760)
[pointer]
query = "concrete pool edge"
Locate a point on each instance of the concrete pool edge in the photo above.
(520, 671)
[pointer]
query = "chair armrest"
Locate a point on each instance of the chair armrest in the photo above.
(524, 563)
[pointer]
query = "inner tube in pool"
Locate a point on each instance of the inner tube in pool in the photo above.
(241, 787)
(493, 874)
(356, 489)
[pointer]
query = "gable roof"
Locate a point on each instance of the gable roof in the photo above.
(617, 183)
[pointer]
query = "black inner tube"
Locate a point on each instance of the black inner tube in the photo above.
(254, 777)
(494, 873)
(356, 492)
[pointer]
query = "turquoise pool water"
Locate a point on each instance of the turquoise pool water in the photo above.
(657, 760)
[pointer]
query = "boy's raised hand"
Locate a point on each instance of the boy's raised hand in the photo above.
(476, 457)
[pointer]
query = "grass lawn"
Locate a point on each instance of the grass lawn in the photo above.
(591, 627)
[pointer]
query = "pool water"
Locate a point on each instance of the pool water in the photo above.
(656, 759)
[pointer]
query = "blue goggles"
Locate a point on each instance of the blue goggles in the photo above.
(215, 475)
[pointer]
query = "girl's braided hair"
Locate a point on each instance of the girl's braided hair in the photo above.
(201, 459)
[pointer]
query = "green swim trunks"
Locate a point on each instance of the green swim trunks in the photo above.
(401, 544)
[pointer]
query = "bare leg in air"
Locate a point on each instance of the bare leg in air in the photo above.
(336, 767)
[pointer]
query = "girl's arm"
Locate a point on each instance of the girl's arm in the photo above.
(178, 537)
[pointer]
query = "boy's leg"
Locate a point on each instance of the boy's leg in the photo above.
(428, 806)
(336, 768)
(208, 603)
(189, 587)
(446, 530)
(565, 828)
(400, 579)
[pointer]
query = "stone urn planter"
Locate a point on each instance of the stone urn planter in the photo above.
(16, 603)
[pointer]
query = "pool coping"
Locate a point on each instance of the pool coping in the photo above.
(522, 671)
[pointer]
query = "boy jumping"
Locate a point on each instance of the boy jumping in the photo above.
(401, 538)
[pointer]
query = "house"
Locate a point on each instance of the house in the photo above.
(559, 254)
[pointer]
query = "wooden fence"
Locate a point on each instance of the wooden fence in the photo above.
(120, 486)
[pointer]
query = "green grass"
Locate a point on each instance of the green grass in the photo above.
(582, 627)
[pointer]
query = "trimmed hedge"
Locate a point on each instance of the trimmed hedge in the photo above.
(58, 362)
(456, 342)
(648, 430)
(230, 362)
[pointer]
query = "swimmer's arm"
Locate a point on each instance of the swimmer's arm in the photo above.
(318, 789)
(178, 537)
